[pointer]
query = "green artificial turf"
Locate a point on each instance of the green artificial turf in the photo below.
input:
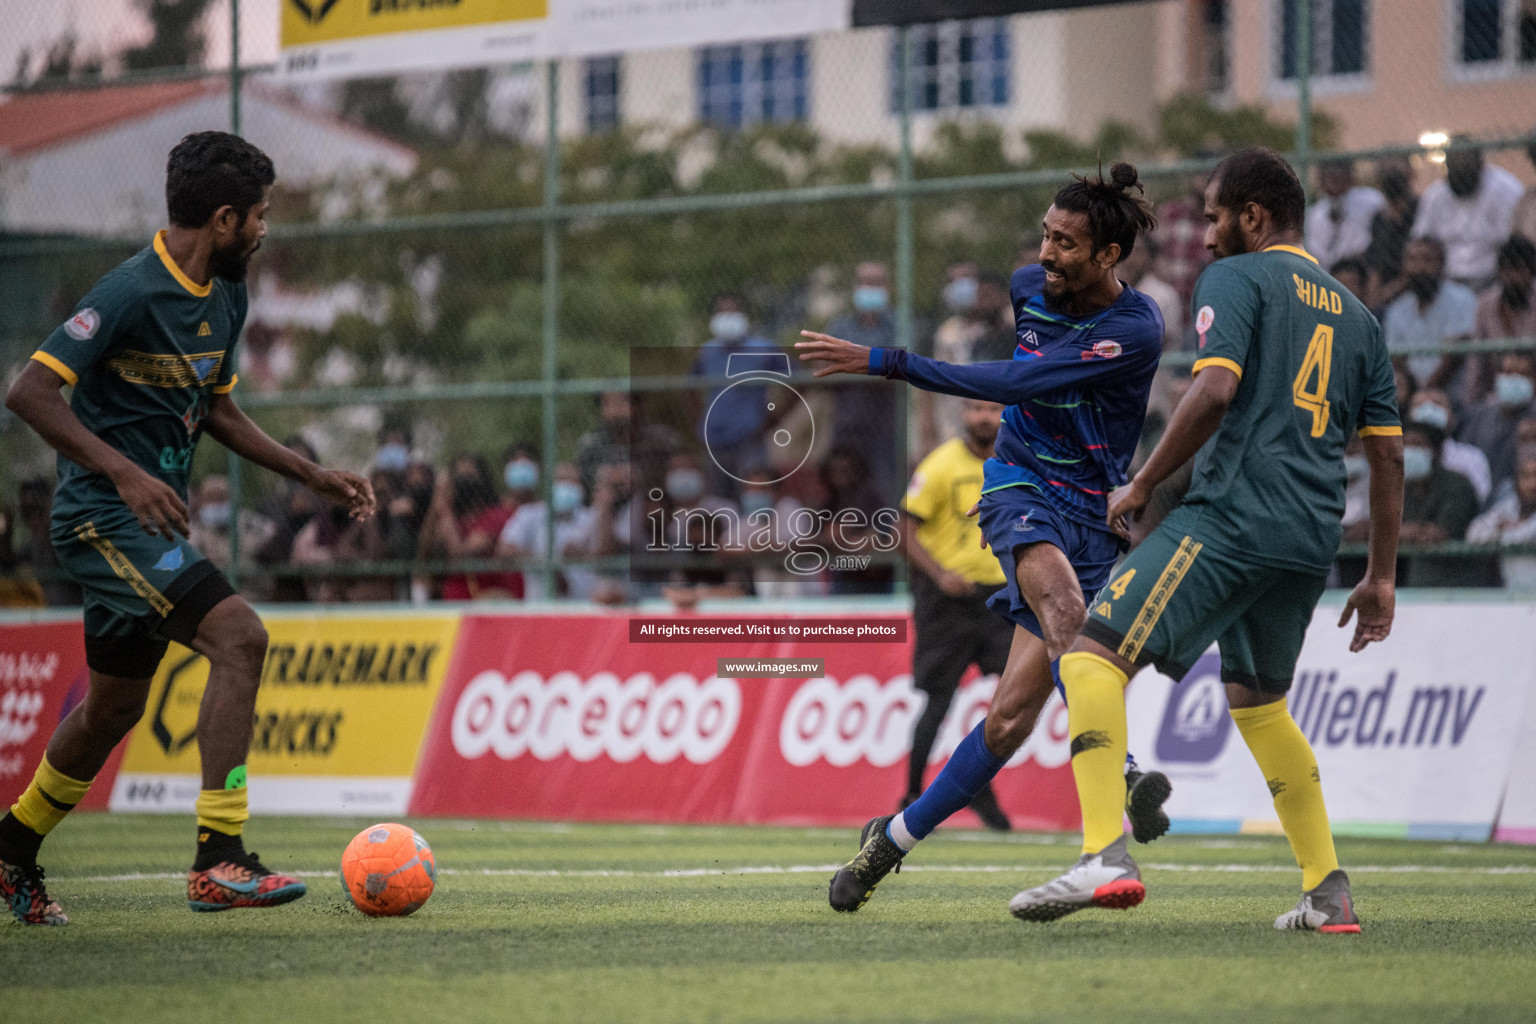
(632, 923)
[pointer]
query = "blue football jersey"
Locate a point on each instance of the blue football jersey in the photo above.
(1076, 395)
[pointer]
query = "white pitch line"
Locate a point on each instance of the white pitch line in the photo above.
(808, 869)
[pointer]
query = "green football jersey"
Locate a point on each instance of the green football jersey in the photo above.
(1269, 484)
(146, 350)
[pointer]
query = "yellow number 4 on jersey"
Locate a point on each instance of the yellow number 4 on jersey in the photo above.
(1312, 395)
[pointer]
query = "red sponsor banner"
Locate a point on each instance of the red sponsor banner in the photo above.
(42, 677)
(564, 717)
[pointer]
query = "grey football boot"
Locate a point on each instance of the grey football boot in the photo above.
(1324, 908)
(1108, 879)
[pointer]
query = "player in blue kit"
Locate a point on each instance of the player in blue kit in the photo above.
(1076, 394)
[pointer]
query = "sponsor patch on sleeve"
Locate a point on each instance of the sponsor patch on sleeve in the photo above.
(83, 324)
(1107, 349)
(1203, 321)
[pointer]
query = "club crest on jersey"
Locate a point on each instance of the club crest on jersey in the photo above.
(83, 324)
(203, 366)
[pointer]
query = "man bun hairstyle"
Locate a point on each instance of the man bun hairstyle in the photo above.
(1116, 214)
(1260, 175)
(208, 170)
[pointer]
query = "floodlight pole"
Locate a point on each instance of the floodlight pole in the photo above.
(551, 313)
(1303, 89)
(904, 242)
(236, 474)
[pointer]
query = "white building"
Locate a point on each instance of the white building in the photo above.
(92, 162)
(1065, 70)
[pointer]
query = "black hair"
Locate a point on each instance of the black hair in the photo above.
(1260, 175)
(1350, 264)
(1518, 252)
(523, 448)
(739, 299)
(1115, 216)
(208, 170)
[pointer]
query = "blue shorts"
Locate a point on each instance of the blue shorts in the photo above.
(1015, 517)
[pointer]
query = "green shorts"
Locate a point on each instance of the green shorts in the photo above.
(140, 592)
(1174, 595)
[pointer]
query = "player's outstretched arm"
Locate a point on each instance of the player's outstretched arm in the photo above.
(1375, 599)
(835, 354)
(1010, 381)
(228, 424)
(1193, 423)
(36, 400)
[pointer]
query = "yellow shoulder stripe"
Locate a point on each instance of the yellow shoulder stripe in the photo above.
(1227, 364)
(1381, 431)
(1294, 249)
(200, 290)
(53, 363)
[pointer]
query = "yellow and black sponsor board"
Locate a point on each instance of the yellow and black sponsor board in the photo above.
(342, 698)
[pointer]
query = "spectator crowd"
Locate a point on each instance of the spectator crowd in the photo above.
(661, 500)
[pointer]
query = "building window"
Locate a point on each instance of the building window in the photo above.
(1340, 37)
(753, 82)
(1215, 46)
(1496, 35)
(602, 90)
(955, 65)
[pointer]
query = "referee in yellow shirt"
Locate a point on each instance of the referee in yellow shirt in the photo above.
(956, 574)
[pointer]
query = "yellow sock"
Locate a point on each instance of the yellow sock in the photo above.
(1290, 768)
(223, 810)
(49, 797)
(1096, 722)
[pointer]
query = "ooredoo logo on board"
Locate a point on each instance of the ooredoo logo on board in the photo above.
(868, 720)
(597, 716)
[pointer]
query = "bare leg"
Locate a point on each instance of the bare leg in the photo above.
(85, 739)
(1050, 587)
(234, 641)
(1022, 690)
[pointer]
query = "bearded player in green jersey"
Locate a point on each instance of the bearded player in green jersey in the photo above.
(150, 353)
(1290, 367)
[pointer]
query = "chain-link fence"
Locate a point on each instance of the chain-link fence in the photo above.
(469, 273)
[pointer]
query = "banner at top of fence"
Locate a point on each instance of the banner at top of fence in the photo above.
(335, 38)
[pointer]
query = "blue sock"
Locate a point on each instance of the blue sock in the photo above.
(970, 767)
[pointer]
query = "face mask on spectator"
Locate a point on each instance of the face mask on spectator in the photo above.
(1513, 389)
(1515, 297)
(960, 294)
(565, 496)
(1424, 285)
(1436, 416)
(214, 516)
(756, 501)
(730, 326)
(1356, 466)
(393, 457)
(684, 484)
(870, 298)
(521, 475)
(1416, 462)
